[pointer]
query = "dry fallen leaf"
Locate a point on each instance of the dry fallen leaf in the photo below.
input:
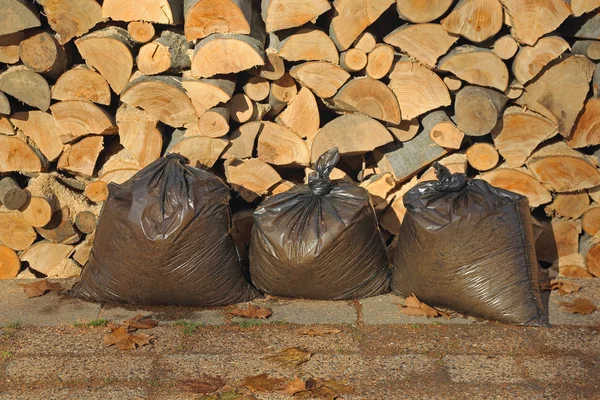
(139, 322)
(564, 287)
(264, 383)
(124, 340)
(40, 288)
(204, 385)
(578, 306)
(291, 357)
(318, 388)
(416, 308)
(252, 312)
(295, 386)
(318, 330)
(574, 271)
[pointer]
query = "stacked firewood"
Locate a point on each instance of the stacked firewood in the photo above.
(93, 91)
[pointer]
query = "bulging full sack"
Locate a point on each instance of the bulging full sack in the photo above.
(469, 246)
(163, 239)
(319, 241)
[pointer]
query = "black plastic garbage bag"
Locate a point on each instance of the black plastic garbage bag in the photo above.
(319, 241)
(163, 239)
(469, 246)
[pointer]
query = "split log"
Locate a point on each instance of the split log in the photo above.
(519, 182)
(482, 156)
(405, 130)
(365, 42)
(83, 250)
(392, 218)
(590, 221)
(590, 248)
(15, 232)
(40, 127)
(571, 266)
(242, 141)
(139, 135)
(42, 53)
(167, 53)
(519, 133)
(558, 239)
(380, 61)
(82, 83)
(548, 15)
(9, 47)
(370, 97)
(596, 82)
(214, 123)
(140, 31)
(44, 257)
(10, 265)
(568, 205)
(205, 17)
(4, 104)
(19, 16)
(257, 88)
(476, 109)
(71, 18)
(442, 130)
(207, 93)
(301, 115)
(418, 89)
(589, 48)
(506, 47)
(250, 178)
(323, 78)
(26, 86)
(76, 118)
(283, 90)
(163, 97)
(559, 92)
(242, 109)
(109, 52)
(587, 128)
(564, 173)
(353, 60)
(201, 151)
(425, 42)
(208, 60)
(160, 11)
(352, 18)
(60, 228)
(580, 7)
(12, 197)
(85, 221)
(80, 158)
(6, 127)
(308, 44)
(96, 191)
(476, 20)
(419, 11)
(278, 145)
(453, 83)
(284, 14)
(379, 186)
(274, 67)
(530, 60)
(352, 134)
(514, 90)
(590, 28)
(477, 66)
(37, 211)
(17, 156)
(406, 159)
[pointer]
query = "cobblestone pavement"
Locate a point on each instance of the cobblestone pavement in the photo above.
(48, 350)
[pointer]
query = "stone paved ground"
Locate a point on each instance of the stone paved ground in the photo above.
(48, 352)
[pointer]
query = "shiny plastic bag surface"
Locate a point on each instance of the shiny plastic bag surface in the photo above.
(469, 246)
(163, 239)
(319, 241)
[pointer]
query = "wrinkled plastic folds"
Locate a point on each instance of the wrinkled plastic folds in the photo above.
(319, 241)
(469, 246)
(163, 239)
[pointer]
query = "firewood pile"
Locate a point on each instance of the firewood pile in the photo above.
(93, 91)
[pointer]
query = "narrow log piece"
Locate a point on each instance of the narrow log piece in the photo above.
(301, 115)
(548, 15)
(257, 88)
(506, 47)
(278, 145)
(80, 158)
(519, 182)
(308, 44)
(9, 47)
(82, 83)
(6, 127)
(564, 173)
(250, 178)
(530, 60)
(214, 123)
(37, 211)
(353, 60)
(42, 53)
(590, 221)
(283, 90)
(15, 232)
(476, 20)
(167, 53)
(274, 67)
(10, 265)
(590, 28)
(12, 197)
(242, 109)
(581, 7)
(476, 109)
(323, 78)
(370, 97)
(85, 221)
(168, 12)
(568, 205)
(201, 151)
(482, 156)
(352, 17)
(477, 66)
(17, 156)
(71, 18)
(587, 128)
(109, 52)
(405, 130)
(139, 134)
(45, 257)
(242, 141)
(96, 191)
(418, 89)
(140, 31)
(40, 127)
(4, 105)
(204, 17)
(60, 228)
(26, 86)
(425, 42)
(453, 83)
(352, 134)
(207, 93)
(380, 61)
(365, 42)
(211, 56)
(592, 257)
(284, 14)
(421, 11)
(442, 130)
(76, 118)
(19, 16)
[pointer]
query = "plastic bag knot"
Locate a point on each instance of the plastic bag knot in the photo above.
(176, 156)
(319, 182)
(447, 181)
